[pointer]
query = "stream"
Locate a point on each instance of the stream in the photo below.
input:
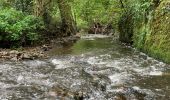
(93, 68)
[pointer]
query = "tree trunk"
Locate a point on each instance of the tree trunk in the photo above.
(68, 23)
(39, 7)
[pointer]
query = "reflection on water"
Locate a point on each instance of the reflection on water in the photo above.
(90, 46)
(92, 69)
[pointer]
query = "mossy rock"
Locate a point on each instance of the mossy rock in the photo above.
(157, 42)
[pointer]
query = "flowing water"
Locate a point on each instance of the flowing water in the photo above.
(91, 69)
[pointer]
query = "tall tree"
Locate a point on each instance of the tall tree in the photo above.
(42, 9)
(68, 23)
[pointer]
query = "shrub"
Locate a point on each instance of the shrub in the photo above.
(16, 26)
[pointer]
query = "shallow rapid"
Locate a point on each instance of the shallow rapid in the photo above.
(94, 68)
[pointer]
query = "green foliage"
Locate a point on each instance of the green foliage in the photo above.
(16, 26)
(157, 41)
(140, 11)
(151, 27)
(90, 11)
(125, 27)
(5, 4)
(24, 5)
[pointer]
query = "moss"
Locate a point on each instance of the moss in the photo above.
(149, 27)
(157, 42)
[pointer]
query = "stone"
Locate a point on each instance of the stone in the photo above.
(14, 52)
(14, 59)
(26, 56)
(4, 53)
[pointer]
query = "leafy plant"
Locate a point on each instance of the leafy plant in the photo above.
(16, 26)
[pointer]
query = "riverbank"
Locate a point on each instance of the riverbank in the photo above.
(148, 29)
(31, 53)
(158, 36)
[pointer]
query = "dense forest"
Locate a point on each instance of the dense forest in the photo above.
(27, 21)
(142, 23)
